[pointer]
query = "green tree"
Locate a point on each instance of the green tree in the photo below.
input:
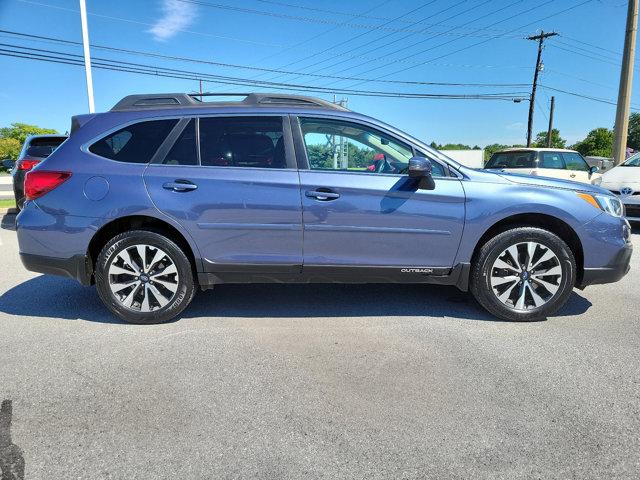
(20, 131)
(633, 138)
(452, 146)
(598, 143)
(556, 140)
(9, 148)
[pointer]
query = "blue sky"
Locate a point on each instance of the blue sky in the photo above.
(399, 40)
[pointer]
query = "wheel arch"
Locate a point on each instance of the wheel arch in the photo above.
(140, 222)
(539, 220)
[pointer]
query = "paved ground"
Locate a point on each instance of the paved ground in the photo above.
(331, 382)
(6, 187)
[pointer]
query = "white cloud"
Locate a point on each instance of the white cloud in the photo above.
(176, 16)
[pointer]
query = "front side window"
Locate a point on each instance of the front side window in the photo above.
(512, 160)
(256, 142)
(338, 145)
(135, 143)
(551, 160)
(632, 161)
(574, 161)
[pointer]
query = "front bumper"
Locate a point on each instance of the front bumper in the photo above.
(607, 249)
(613, 272)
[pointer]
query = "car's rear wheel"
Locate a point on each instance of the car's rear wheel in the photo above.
(144, 277)
(523, 274)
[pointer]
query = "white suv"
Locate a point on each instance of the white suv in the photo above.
(544, 162)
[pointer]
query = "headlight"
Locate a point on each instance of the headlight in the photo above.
(597, 181)
(608, 203)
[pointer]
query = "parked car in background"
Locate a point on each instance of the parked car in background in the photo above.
(624, 181)
(35, 149)
(603, 163)
(544, 162)
(165, 194)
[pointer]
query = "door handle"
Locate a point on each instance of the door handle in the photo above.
(321, 195)
(572, 175)
(180, 186)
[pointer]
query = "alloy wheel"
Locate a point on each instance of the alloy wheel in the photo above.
(526, 275)
(143, 278)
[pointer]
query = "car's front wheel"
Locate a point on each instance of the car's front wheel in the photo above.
(523, 274)
(144, 277)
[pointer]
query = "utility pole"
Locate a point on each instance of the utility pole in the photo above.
(200, 89)
(550, 131)
(540, 38)
(626, 81)
(87, 55)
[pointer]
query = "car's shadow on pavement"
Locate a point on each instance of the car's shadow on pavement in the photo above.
(49, 296)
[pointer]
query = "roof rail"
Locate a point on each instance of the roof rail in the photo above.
(173, 100)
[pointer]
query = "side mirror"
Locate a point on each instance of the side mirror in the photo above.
(8, 163)
(593, 170)
(420, 169)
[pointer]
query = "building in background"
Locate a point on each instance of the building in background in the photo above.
(468, 158)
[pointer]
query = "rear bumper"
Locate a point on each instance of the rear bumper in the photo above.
(77, 267)
(613, 272)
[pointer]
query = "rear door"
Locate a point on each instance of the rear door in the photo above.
(232, 183)
(551, 164)
(362, 210)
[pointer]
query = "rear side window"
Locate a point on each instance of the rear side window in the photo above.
(551, 160)
(242, 142)
(184, 151)
(135, 143)
(512, 160)
(574, 161)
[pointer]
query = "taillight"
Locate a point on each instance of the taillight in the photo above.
(39, 182)
(27, 163)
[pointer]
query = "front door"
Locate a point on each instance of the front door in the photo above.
(360, 209)
(235, 188)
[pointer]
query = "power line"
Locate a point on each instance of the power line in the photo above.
(360, 15)
(591, 45)
(245, 67)
(299, 44)
(592, 57)
(448, 42)
(482, 42)
(288, 16)
(579, 48)
(408, 36)
(352, 39)
(108, 64)
(579, 95)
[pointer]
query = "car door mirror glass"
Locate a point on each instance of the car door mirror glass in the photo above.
(420, 169)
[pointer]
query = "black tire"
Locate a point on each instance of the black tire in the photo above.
(185, 282)
(482, 268)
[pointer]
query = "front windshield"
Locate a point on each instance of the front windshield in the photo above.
(633, 161)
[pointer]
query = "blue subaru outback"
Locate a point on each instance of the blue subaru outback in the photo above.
(165, 194)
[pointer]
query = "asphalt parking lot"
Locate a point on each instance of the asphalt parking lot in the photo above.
(317, 381)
